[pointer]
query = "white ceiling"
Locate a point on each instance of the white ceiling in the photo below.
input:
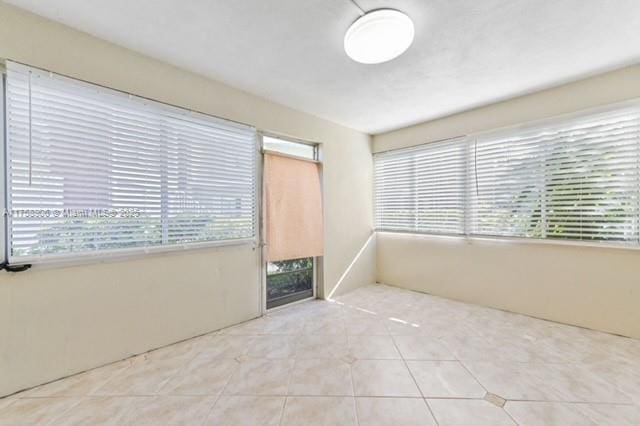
(466, 53)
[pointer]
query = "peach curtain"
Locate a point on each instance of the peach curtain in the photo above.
(292, 199)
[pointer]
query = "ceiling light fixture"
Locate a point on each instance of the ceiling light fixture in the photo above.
(379, 36)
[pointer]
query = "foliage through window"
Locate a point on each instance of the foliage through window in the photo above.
(572, 178)
(289, 280)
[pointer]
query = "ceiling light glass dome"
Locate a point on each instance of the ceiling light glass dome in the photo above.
(379, 36)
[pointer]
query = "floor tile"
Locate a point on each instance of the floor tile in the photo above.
(4, 402)
(546, 382)
(422, 348)
(383, 378)
(464, 412)
(623, 373)
(528, 413)
(142, 378)
(322, 346)
(445, 379)
(173, 410)
(106, 410)
(393, 412)
(204, 375)
(80, 384)
(251, 327)
(499, 347)
(366, 326)
(611, 414)
(401, 327)
(246, 411)
(319, 411)
(372, 347)
(496, 400)
(260, 377)
(546, 413)
(35, 411)
(283, 325)
(226, 346)
(316, 377)
(187, 349)
(333, 326)
(273, 346)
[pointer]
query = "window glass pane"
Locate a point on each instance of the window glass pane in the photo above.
(297, 149)
(210, 183)
(575, 178)
(94, 170)
(288, 281)
(508, 177)
(421, 189)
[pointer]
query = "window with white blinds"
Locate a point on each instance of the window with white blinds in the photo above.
(574, 178)
(421, 189)
(92, 170)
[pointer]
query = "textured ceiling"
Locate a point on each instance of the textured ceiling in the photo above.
(466, 53)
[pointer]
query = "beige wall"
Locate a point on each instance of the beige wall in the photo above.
(606, 88)
(592, 287)
(58, 321)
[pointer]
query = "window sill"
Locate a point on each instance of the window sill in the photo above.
(471, 239)
(108, 256)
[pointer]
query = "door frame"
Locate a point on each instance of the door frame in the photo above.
(317, 261)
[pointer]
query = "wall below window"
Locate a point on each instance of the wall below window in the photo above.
(59, 321)
(56, 321)
(593, 287)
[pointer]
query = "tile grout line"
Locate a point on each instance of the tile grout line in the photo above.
(284, 407)
(221, 393)
(55, 418)
(80, 398)
(188, 360)
(206, 416)
(353, 392)
(485, 389)
(515, 422)
(549, 400)
(406, 365)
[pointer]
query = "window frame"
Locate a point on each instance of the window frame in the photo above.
(315, 145)
(452, 144)
(3, 155)
(283, 300)
(470, 238)
(102, 256)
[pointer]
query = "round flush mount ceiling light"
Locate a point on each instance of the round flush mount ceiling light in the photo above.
(379, 36)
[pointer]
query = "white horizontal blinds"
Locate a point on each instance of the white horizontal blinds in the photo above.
(592, 178)
(3, 238)
(508, 182)
(571, 178)
(394, 191)
(69, 149)
(575, 179)
(93, 170)
(210, 181)
(421, 189)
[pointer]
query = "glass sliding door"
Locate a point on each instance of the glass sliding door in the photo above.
(289, 281)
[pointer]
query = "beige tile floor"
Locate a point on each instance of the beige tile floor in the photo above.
(376, 356)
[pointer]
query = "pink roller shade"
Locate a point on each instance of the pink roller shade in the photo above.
(292, 208)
